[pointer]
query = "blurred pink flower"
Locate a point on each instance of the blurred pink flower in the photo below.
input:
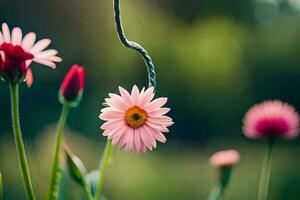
(135, 121)
(17, 53)
(226, 158)
(271, 118)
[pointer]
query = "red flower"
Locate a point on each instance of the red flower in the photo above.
(72, 86)
(13, 65)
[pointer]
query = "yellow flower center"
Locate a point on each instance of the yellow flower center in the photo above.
(135, 117)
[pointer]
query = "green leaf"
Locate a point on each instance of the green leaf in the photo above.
(75, 166)
(77, 171)
(92, 179)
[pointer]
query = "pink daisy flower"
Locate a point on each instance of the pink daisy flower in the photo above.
(17, 51)
(271, 118)
(226, 158)
(135, 121)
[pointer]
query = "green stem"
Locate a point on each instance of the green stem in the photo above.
(87, 191)
(214, 193)
(54, 183)
(266, 172)
(103, 166)
(14, 92)
(1, 187)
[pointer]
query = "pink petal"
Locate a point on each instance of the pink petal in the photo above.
(16, 36)
(28, 62)
(118, 135)
(159, 127)
(156, 104)
(29, 78)
(108, 109)
(119, 98)
(160, 120)
(137, 141)
(121, 142)
(6, 33)
(39, 46)
(126, 96)
(112, 124)
(156, 134)
(147, 138)
(124, 139)
(112, 132)
(135, 95)
(46, 63)
(2, 54)
(46, 54)
(28, 40)
(1, 38)
(154, 125)
(111, 115)
(165, 130)
(55, 59)
(130, 141)
(159, 112)
(147, 96)
(116, 103)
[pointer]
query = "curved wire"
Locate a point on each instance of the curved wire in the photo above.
(134, 45)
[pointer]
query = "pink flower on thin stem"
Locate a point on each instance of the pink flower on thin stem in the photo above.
(226, 158)
(16, 54)
(135, 121)
(271, 118)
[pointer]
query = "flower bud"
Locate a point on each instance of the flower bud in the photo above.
(72, 86)
(75, 166)
(227, 158)
(224, 161)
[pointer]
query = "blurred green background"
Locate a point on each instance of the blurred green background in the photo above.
(214, 59)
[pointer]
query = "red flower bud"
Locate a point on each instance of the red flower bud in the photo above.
(13, 65)
(72, 86)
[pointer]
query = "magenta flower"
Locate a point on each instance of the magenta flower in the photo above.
(17, 53)
(226, 158)
(271, 118)
(135, 121)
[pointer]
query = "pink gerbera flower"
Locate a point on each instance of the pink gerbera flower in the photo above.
(226, 158)
(17, 53)
(135, 121)
(271, 118)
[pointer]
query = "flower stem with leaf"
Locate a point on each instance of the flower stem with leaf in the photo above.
(14, 92)
(217, 193)
(103, 167)
(78, 171)
(53, 187)
(70, 95)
